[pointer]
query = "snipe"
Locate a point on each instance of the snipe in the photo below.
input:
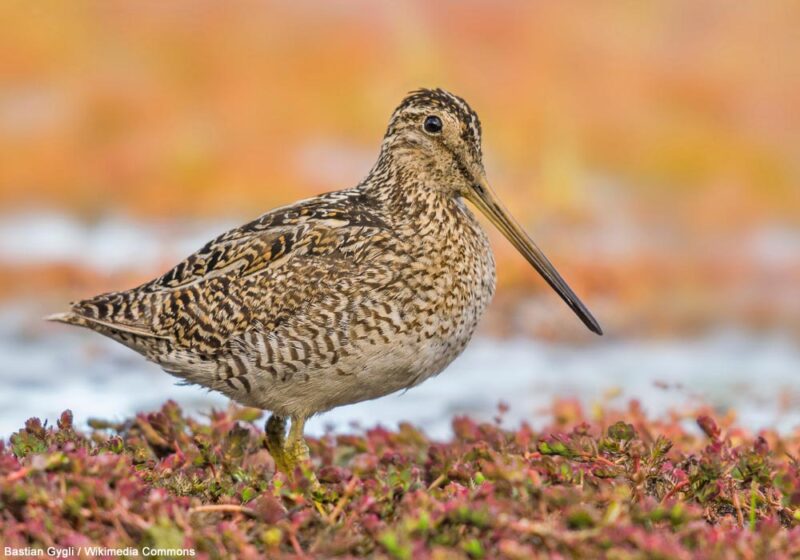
(341, 298)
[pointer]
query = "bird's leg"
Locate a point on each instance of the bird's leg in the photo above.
(276, 442)
(296, 447)
(296, 450)
(292, 452)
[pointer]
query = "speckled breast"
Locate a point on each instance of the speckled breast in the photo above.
(453, 278)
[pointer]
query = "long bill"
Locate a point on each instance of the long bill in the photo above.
(488, 203)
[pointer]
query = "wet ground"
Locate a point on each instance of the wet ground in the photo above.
(47, 369)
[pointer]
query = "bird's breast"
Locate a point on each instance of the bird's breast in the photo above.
(451, 280)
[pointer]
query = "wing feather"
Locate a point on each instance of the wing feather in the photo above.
(261, 273)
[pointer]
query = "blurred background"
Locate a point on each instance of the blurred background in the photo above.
(651, 149)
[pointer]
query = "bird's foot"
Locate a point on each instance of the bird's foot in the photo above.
(297, 450)
(276, 443)
(298, 456)
(290, 453)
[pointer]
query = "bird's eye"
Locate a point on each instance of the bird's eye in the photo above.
(432, 125)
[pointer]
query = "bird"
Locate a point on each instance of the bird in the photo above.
(340, 298)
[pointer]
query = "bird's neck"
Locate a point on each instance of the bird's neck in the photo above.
(408, 188)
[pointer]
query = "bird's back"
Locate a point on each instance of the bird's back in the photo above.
(254, 274)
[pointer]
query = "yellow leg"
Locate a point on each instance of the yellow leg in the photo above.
(297, 451)
(292, 452)
(296, 445)
(276, 442)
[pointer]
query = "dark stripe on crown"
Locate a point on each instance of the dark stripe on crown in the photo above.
(441, 99)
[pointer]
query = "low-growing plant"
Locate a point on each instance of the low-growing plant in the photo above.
(618, 485)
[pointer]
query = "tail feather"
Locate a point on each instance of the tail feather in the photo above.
(147, 343)
(68, 318)
(100, 325)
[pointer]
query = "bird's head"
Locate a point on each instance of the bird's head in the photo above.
(434, 138)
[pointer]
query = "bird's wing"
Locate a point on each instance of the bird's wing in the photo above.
(271, 237)
(257, 274)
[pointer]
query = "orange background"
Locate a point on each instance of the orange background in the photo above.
(647, 146)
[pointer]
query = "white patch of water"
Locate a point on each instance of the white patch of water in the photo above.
(105, 245)
(44, 371)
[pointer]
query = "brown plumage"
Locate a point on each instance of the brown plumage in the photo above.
(340, 298)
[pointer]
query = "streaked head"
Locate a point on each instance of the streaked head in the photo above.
(436, 136)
